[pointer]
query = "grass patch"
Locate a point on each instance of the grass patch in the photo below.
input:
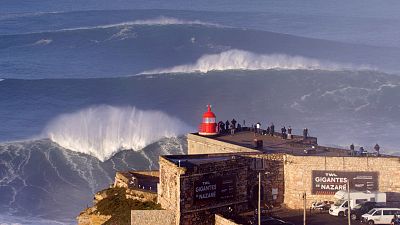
(119, 207)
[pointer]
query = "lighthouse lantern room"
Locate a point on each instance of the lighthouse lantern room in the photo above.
(208, 127)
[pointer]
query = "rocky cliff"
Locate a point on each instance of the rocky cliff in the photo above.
(113, 206)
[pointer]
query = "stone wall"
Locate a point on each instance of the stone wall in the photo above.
(152, 217)
(298, 175)
(204, 145)
(270, 166)
(169, 187)
(120, 180)
(85, 219)
(124, 179)
(141, 195)
(202, 212)
(177, 186)
(219, 220)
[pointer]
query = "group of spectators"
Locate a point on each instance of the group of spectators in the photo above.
(230, 127)
(233, 126)
(362, 152)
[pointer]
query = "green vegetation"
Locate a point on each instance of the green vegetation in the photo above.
(119, 207)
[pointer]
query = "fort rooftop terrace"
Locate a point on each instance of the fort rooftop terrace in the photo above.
(276, 144)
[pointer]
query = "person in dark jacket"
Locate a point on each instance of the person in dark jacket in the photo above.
(283, 131)
(377, 148)
(272, 129)
(227, 125)
(305, 133)
(221, 127)
(233, 122)
(395, 220)
(289, 130)
(352, 149)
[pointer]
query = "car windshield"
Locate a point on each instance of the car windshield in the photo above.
(338, 202)
(357, 206)
(370, 212)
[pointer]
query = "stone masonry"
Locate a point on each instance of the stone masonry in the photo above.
(298, 175)
(152, 217)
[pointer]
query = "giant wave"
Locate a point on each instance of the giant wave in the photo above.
(101, 131)
(236, 59)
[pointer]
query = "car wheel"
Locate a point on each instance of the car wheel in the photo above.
(341, 214)
(353, 216)
(371, 222)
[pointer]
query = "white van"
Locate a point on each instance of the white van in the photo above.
(380, 216)
(341, 203)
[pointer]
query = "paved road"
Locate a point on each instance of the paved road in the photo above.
(321, 219)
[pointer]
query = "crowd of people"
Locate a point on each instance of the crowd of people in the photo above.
(231, 127)
(362, 152)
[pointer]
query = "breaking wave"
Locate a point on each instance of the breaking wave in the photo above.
(158, 21)
(162, 20)
(243, 60)
(101, 131)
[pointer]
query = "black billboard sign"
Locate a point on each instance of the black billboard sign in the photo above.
(216, 188)
(329, 182)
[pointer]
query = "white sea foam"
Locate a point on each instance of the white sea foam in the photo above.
(158, 21)
(101, 131)
(243, 60)
(43, 42)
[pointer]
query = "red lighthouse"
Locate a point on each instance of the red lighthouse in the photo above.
(208, 127)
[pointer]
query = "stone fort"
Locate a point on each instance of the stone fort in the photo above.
(219, 177)
(232, 170)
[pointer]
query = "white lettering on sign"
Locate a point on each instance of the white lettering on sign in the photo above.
(207, 195)
(329, 182)
(331, 179)
(206, 190)
(210, 187)
(333, 187)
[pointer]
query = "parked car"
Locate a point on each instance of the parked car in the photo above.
(380, 215)
(310, 150)
(341, 204)
(325, 205)
(363, 208)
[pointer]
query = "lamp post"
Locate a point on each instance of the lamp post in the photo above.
(259, 197)
(304, 208)
(348, 203)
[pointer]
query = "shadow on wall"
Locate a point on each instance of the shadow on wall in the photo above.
(393, 199)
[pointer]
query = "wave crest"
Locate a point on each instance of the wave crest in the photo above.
(243, 60)
(158, 21)
(101, 131)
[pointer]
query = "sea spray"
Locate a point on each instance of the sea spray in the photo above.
(235, 59)
(157, 21)
(101, 131)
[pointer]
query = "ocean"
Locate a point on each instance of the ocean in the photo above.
(89, 88)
